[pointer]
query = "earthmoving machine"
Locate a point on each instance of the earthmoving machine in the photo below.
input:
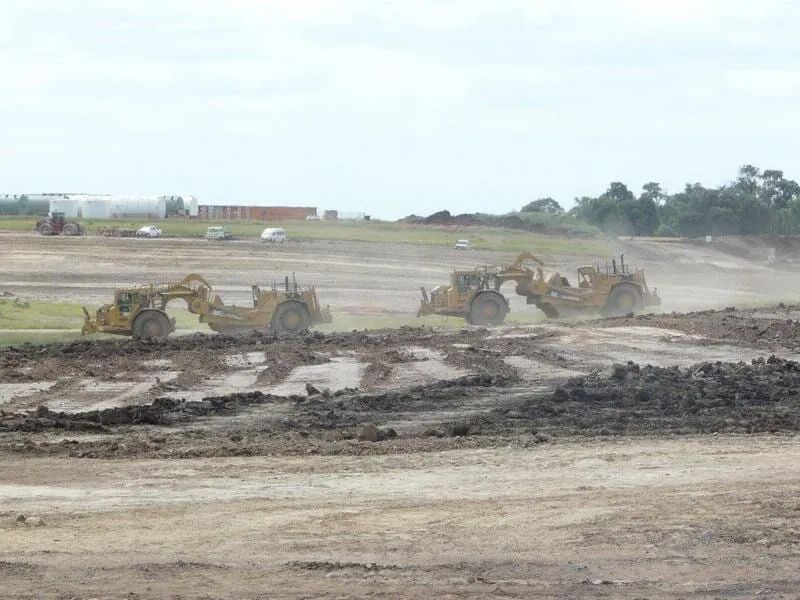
(57, 224)
(141, 311)
(613, 289)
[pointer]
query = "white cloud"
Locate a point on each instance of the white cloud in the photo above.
(462, 97)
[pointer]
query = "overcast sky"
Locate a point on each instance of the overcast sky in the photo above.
(393, 107)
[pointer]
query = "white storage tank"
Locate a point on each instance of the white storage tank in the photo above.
(190, 204)
(65, 205)
(149, 207)
(96, 208)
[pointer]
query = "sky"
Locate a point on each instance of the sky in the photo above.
(394, 107)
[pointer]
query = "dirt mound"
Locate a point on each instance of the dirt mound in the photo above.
(709, 397)
(784, 249)
(778, 327)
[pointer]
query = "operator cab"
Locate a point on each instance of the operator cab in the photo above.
(587, 276)
(128, 302)
(464, 282)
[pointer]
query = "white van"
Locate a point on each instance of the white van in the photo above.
(274, 234)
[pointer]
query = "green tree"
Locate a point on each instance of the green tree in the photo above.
(544, 205)
(652, 191)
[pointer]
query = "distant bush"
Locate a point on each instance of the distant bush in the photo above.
(538, 222)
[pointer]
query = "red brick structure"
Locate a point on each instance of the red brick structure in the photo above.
(256, 213)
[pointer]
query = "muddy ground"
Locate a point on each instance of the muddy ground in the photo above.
(653, 456)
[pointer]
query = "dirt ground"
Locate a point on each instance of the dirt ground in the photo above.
(358, 277)
(653, 456)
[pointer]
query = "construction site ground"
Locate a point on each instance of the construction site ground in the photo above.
(653, 456)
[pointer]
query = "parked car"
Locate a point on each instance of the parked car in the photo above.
(150, 231)
(274, 234)
(218, 233)
(462, 245)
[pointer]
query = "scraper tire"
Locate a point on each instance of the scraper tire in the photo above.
(625, 298)
(487, 309)
(290, 317)
(151, 324)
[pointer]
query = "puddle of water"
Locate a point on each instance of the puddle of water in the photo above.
(14, 391)
(340, 373)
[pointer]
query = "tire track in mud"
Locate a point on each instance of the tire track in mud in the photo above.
(496, 401)
(762, 396)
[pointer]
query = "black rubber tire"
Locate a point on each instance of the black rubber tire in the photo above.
(151, 324)
(46, 229)
(290, 317)
(487, 309)
(71, 229)
(624, 298)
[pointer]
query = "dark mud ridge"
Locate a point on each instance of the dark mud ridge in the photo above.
(763, 396)
(325, 410)
(197, 341)
(750, 327)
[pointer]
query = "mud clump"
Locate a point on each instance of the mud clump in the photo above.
(162, 411)
(372, 433)
(759, 328)
(763, 396)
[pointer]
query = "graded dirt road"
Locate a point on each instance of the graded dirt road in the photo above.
(629, 518)
(645, 457)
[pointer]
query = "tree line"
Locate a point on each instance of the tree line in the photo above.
(757, 202)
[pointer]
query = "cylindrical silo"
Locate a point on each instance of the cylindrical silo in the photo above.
(96, 208)
(149, 207)
(34, 204)
(68, 206)
(9, 204)
(190, 204)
